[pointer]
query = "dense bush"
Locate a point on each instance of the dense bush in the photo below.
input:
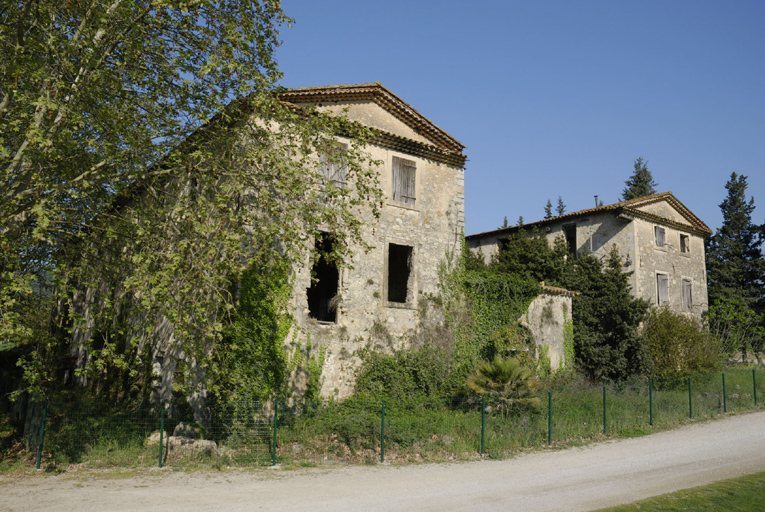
(679, 344)
(423, 372)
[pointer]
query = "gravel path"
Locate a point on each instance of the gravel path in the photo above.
(588, 478)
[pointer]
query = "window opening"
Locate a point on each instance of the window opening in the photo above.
(662, 289)
(399, 272)
(325, 279)
(685, 244)
(404, 172)
(335, 170)
(660, 236)
(687, 294)
(570, 233)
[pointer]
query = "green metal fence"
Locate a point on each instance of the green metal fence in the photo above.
(366, 431)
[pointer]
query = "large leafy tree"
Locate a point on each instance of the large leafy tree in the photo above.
(146, 161)
(736, 271)
(640, 183)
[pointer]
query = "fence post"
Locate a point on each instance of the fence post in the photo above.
(549, 418)
(42, 433)
(650, 403)
(725, 396)
(605, 430)
(382, 434)
(690, 399)
(754, 386)
(273, 447)
(161, 430)
(483, 424)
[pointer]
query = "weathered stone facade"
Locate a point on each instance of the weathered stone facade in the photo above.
(660, 241)
(378, 299)
(549, 319)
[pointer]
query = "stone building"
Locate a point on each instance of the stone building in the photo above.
(661, 243)
(381, 297)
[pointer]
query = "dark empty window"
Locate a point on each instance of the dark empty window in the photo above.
(399, 272)
(685, 244)
(404, 180)
(325, 278)
(570, 233)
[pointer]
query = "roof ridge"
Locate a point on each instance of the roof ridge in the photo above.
(396, 106)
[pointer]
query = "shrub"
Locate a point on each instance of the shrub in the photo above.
(679, 344)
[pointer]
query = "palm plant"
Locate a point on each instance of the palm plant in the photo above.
(505, 383)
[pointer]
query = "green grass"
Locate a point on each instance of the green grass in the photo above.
(743, 494)
(102, 435)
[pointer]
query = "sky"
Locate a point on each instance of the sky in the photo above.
(558, 98)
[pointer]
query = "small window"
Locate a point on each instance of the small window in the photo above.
(660, 236)
(399, 273)
(334, 170)
(685, 244)
(662, 289)
(570, 233)
(325, 279)
(687, 294)
(404, 172)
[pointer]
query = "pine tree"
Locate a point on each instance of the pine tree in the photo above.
(640, 183)
(561, 208)
(736, 273)
(548, 209)
(735, 264)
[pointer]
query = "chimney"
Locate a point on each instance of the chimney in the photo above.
(596, 201)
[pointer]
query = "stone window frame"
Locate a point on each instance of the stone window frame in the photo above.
(660, 237)
(662, 276)
(403, 182)
(411, 297)
(687, 298)
(685, 244)
(334, 172)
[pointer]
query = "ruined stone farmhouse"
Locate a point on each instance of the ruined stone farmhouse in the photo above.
(661, 243)
(382, 295)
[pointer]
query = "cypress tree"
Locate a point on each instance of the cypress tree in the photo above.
(561, 208)
(640, 183)
(548, 209)
(735, 265)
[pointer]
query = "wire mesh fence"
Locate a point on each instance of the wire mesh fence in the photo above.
(362, 430)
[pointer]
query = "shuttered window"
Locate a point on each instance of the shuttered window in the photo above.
(687, 294)
(685, 244)
(334, 169)
(404, 172)
(662, 289)
(660, 236)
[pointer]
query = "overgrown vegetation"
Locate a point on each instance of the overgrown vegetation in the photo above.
(680, 344)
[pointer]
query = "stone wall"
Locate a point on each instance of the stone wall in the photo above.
(549, 320)
(431, 229)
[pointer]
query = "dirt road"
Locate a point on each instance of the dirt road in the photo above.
(577, 479)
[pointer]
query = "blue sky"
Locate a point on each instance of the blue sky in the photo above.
(558, 98)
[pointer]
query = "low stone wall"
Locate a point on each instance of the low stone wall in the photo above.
(549, 320)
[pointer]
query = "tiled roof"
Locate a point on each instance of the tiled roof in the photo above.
(629, 207)
(379, 94)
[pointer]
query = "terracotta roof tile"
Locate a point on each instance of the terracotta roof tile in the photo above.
(630, 206)
(383, 97)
